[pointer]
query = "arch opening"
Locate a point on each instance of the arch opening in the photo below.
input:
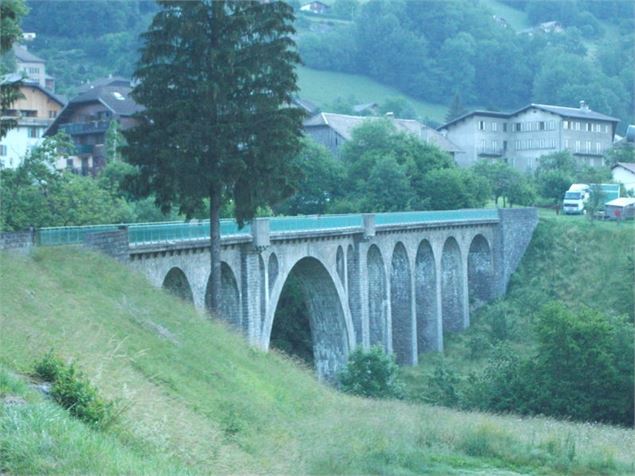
(313, 328)
(339, 265)
(352, 278)
(230, 297)
(176, 283)
(480, 272)
(452, 287)
(400, 306)
(377, 299)
(426, 299)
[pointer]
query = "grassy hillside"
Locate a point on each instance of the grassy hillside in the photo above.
(516, 18)
(323, 87)
(195, 398)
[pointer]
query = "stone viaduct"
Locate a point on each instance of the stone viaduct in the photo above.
(398, 280)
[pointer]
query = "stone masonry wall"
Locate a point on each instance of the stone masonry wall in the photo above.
(112, 243)
(20, 241)
(515, 230)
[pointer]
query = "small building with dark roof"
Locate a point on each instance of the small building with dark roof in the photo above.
(523, 136)
(87, 117)
(334, 130)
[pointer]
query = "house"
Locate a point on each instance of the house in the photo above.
(33, 113)
(624, 173)
(87, 117)
(333, 130)
(33, 67)
(523, 136)
(318, 8)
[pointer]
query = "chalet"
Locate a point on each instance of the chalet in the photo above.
(333, 130)
(32, 113)
(523, 136)
(87, 117)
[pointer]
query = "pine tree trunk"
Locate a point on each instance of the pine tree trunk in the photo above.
(214, 228)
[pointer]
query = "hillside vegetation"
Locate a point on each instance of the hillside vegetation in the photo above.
(194, 398)
(577, 276)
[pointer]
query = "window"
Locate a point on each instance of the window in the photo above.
(606, 128)
(565, 124)
(3, 150)
(504, 127)
(588, 146)
(517, 145)
(543, 143)
(494, 126)
(52, 114)
(517, 126)
(566, 143)
(33, 133)
(598, 148)
(542, 125)
(552, 125)
(481, 125)
(577, 146)
(587, 126)
(577, 126)
(494, 145)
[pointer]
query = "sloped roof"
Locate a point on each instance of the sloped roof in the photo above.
(115, 98)
(344, 124)
(24, 55)
(13, 78)
(569, 112)
(573, 112)
(625, 165)
(101, 82)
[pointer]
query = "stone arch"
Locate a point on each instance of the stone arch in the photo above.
(352, 278)
(426, 299)
(176, 283)
(452, 293)
(480, 272)
(401, 307)
(329, 323)
(377, 298)
(339, 265)
(230, 297)
(272, 270)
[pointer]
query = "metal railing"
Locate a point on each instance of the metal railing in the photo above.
(139, 233)
(85, 127)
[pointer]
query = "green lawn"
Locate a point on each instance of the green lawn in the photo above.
(323, 87)
(196, 398)
(516, 18)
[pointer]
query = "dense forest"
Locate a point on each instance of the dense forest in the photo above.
(431, 50)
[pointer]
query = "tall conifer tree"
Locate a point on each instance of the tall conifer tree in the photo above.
(216, 80)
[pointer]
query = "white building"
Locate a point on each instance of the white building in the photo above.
(523, 136)
(624, 173)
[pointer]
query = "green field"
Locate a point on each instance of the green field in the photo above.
(516, 18)
(323, 87)
(196, 399)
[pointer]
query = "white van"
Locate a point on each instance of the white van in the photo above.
(575, 199)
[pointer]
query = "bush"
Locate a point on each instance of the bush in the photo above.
(372, 374)
(72, 391)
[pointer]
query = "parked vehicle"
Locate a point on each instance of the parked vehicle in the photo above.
(575, 199)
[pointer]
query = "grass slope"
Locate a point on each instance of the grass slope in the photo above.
(196, 398)
(323, 87)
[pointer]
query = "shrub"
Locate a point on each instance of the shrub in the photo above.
(371, 373)
(72, 391)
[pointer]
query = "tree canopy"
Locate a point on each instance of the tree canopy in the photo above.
(216, 79)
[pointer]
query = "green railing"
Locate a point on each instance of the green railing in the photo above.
(194, 230)
(403, 218)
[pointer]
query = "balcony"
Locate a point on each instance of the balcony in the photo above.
(84, 149)
(490, 151)
(92, 127)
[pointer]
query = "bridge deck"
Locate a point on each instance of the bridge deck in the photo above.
(139, 233)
